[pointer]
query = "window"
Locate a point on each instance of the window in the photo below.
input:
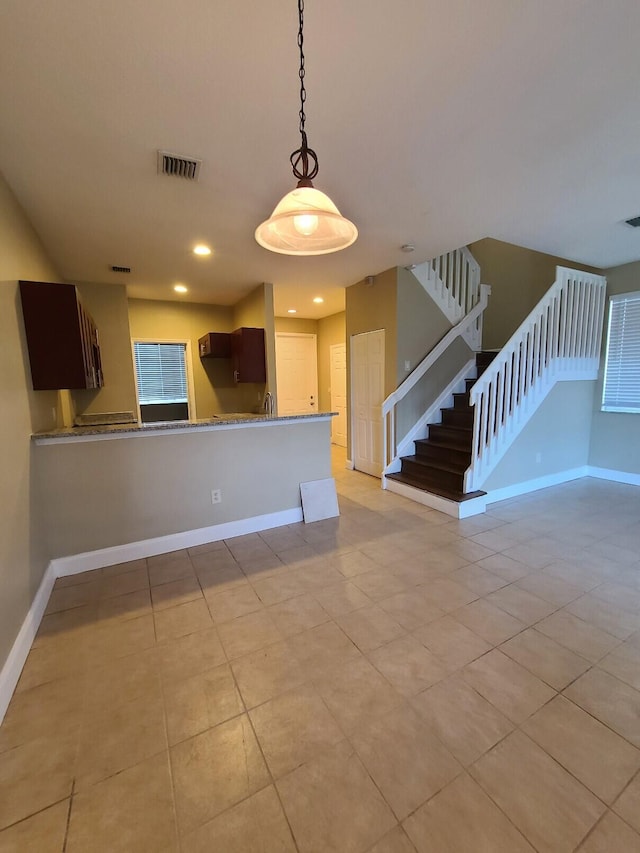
(621, 392)
(161, 381)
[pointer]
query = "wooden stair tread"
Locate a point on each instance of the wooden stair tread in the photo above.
(456, 427)
(445, 445)
(435, 463)
(458, 497)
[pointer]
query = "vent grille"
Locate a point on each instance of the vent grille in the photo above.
(121, 269)
(634, 223)
(176, 164)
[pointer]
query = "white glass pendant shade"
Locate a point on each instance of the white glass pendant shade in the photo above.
(306, 222)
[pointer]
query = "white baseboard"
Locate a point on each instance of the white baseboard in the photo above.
(349, 465)
(478, 505)
(612, 474)
(77, 563)
(533, 485)
(22, 645)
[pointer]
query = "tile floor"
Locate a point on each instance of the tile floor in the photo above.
(390, 681)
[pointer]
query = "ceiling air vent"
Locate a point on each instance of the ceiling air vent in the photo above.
(634, 223)
(176, 164)
(121, 269)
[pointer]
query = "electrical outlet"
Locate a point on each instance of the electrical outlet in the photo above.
(538, 458)
(216, 496)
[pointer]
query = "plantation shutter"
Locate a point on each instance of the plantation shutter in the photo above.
(621, 392)
(161, 373)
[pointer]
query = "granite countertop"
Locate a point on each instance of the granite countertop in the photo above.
(234, 418)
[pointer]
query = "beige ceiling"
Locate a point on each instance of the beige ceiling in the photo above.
(435, 123)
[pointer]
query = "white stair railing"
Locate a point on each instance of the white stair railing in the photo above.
(473, 322)
(559, 340)
(453, 282)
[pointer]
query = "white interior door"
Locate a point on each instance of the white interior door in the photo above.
(367, 362)
(297, 373)
(338, 379)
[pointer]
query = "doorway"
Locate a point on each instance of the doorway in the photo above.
(367, 372)
(297, 373)
(338, 380)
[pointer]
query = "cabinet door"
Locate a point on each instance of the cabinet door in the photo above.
(215, 345)
(90, 349)
(249, 360)
(61, 337)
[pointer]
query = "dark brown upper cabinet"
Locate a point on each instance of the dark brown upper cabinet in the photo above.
(215, 345)
(249, 361)
(62, 338)
(245, 346)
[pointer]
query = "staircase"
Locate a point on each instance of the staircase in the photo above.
(441, 460)
(558, 341)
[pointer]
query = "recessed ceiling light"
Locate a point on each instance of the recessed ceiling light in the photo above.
(201, 249)
(318, 299)
(292, 311)
(408, 247)
(180, 288)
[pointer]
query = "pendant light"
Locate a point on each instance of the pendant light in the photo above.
(305, 221)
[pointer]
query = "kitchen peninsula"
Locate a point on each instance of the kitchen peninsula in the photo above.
(115, 493)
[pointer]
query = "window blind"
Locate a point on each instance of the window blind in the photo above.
(621, 391)
(161, 373)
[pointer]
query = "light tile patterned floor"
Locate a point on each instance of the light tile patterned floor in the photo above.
(390, 681)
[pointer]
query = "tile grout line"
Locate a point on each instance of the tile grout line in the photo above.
(66, 831)
(266, 764)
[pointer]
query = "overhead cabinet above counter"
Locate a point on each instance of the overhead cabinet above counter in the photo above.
(62, 338)
(245, 347)
(215, 345)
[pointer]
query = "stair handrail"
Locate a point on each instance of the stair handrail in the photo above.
(561, 337)
(389, 443)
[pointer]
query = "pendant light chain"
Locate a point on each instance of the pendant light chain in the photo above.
(302, 169)
(303, 91)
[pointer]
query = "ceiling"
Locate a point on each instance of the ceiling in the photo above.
(435, 123)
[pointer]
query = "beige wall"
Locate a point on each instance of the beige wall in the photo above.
(559, 432)
(293, 325)
(519, 278)
(421, 323)
(615, 436)
(155, 485)
(331, 330)
(23, 557)
(215, 390)
(427, 390)
(250, 310)
(108, 305)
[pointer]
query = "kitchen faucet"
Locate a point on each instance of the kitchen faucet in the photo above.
(269, 403)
